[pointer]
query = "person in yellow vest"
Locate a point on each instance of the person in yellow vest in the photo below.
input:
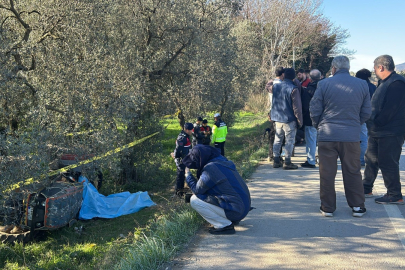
(219, 131)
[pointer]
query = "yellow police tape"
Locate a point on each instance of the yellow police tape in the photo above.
(65, 169)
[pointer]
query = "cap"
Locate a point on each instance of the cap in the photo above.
(188, 126)
(199, 118)
(217, 115)
(205, 121)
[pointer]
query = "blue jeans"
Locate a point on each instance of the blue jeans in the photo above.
(310, 139)
(288, 130)
(363, 142)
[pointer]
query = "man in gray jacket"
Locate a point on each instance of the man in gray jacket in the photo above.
(341, 104)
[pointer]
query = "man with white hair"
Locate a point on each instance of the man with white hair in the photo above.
(341, 104)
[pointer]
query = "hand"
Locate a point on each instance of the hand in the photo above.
(172, 155)
(187, 170)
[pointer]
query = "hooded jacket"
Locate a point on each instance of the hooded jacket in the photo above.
(218, 182)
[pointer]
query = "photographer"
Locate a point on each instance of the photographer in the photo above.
(221, 196)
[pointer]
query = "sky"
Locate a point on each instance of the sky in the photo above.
(376, 27)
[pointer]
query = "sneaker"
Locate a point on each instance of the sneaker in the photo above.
(358, 211)
(225, 230)
(325, 214)
(388, 200)
(369, 195)
(307, 165)
(290, 166)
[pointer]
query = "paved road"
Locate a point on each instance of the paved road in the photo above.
(287, 231)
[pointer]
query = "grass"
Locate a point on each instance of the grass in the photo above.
(150, 237)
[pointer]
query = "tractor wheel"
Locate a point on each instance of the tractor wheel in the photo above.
(13, 238)
(7, 236)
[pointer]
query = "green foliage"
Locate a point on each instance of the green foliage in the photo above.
(160, 230)
(169, 234)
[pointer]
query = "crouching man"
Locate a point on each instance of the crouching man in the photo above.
(221, 196)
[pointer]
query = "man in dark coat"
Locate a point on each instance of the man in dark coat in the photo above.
(221, 196)
(310, 132)
(365, 74)
(183, 146)
(386, 128)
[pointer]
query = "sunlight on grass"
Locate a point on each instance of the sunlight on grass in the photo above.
(152, 236)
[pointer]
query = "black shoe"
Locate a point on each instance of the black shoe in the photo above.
(307, 165)
(225, 230)
(388, 200)
(277, 165)
(276, 162)
(358, 211)
(290, 166)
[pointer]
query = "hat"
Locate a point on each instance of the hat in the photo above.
(205, 121)
(217, 115)
(199, 118)
(188, 126)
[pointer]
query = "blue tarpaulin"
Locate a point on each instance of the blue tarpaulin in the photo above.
(111, 206)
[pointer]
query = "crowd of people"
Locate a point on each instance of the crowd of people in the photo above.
(346, 117)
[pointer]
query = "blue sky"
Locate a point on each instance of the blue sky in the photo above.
(375, 27)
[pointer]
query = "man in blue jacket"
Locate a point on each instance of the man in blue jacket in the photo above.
(286, 112)
(221, 196)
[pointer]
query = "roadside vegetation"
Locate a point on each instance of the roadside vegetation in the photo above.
(150, 237)
(86, 77)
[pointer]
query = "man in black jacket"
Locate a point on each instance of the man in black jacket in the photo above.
(183, 146)
(386, 131)
(310, 132)
(197, 136)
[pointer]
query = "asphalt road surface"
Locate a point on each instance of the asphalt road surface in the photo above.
(287, 231)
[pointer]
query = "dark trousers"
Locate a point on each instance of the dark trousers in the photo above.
(181, 174)
(384, 153)
(272, 135)
(220, 145)
(349, 154)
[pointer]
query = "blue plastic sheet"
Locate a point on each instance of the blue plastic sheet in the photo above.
(111, 206)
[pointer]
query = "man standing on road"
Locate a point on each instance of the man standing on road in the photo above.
(341, 104)
(287, 114)
(386, 128)
(365, 74)
(310, 131)
(219, 131)
(269, 87)
(183, 146)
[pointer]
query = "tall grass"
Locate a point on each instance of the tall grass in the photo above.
(168, 236)
(257, 103)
